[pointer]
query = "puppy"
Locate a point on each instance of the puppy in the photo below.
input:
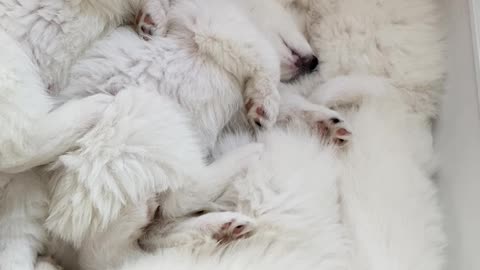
(39, 41)
(214, 73)
(262, 193)
(303, 195)
(32, 135)
(226, 64)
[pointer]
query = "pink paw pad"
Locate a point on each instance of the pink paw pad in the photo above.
(145, 25)
(334, 130)
(257, 113)
(233, 230)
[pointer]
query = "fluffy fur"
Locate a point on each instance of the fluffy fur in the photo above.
(384, 38)
(389, 202)
(40, 42)
(210, 70)
(32, 136)
(138, 138)
(290, 194)
(401, 41)
(301, 194)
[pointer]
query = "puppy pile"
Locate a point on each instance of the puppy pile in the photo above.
(206, 134)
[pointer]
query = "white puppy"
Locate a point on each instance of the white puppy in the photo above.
(288, 199)
(214, 60)
(42, 39)
(31, 135)
(208, 55)
(39, 40)
(291, 194)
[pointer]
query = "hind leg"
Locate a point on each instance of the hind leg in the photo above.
(221, 227)
(328, 124)
(30, 144)
(201, 192)
(225, 35)
(23, 209)
(152, 18)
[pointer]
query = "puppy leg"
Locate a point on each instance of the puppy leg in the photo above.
(222, 33)
(44, 140)
(23, 209)
(221, 173)
(221, 227)
(152, 18)
(327, 123)
(201, 192)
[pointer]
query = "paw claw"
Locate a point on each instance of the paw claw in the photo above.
(261, 113)
(329, 125)
(145, 25)
(233, 230)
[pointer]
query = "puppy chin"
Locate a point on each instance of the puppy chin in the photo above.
(289, 75)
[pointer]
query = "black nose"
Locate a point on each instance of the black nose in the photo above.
(307, 64)
(311, 63)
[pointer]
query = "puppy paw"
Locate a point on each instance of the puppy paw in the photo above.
(329, 125)
(234, 228)
(144, 25)
(152, 19)
(262, 111)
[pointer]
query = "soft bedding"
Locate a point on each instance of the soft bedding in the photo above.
(368, 205)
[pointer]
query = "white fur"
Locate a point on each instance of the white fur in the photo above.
(21, 216)
(210, 70)
(291, 195)
(389, 202)
(40, 42)
(143, 139)
(385, 198)
(403, 41)
(31, 136)
(347, 43)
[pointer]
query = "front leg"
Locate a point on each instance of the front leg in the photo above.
(41, 142)
(152, 18)
(210, 183)
(220, 227)
(223, 34)
(23, 209)
(328, 124)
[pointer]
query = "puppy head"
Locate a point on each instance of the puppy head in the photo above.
(284, 27)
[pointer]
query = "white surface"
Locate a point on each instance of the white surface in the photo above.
(458, 140)
(475, 22)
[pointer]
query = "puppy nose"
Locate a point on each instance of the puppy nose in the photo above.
(308, 63)
(311, 63)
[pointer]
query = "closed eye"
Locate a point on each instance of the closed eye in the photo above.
(198, 213)
(292, 51)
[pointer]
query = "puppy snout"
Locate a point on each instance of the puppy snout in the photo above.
(308, 63)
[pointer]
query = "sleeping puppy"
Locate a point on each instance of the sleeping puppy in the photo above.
(51, 35)
(274, 19)
(39, 40)
(262, 203)
(214, 60)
